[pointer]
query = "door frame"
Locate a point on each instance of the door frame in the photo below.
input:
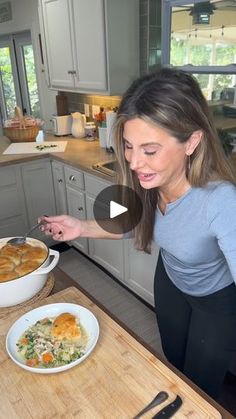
(15, 41)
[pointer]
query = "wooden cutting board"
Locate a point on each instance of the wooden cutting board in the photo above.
(116, 381)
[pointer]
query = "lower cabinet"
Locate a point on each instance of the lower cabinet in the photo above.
(39, 192)
(13, 214)
(26, 193)
(140, 270)
(108, 253)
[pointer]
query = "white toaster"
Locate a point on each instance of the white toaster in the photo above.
(61, 125)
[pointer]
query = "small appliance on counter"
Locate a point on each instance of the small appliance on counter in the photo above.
(78, 124)
(61, 125)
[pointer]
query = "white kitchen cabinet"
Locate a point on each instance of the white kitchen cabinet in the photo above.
(108, 253)
(92, 46)
(13, 215)
(59, 187)
(76, 201)
(39, 192)
(56, 31)
(140, 269)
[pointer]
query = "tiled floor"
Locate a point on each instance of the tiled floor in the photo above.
(136, 315)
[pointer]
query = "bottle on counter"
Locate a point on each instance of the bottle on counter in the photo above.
(100, 117)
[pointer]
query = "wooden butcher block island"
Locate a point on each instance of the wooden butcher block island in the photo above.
(117, 379)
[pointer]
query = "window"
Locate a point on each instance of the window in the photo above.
(18, 84)
(7, 81)
(200, 37)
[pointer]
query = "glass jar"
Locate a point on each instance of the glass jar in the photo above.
(90, 131)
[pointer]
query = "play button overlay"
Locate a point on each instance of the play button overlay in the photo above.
(117, 209)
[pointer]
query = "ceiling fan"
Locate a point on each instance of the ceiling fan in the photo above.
(201, 11)
(206, 5)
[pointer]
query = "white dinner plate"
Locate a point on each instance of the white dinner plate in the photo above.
(87, 320)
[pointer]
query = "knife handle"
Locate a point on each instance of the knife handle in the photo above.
(169, 410)
(158, 399)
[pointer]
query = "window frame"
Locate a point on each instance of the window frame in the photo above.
(23, 39)
(15, 42)
(6, 41)
(166, 43)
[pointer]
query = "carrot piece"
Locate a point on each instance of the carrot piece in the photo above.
(32, 362)
(47, 357)
(24, 341)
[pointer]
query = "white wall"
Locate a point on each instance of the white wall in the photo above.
(25, 17)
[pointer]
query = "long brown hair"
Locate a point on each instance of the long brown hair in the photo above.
(173, 100)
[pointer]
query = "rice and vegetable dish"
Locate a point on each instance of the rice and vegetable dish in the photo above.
(53, 342)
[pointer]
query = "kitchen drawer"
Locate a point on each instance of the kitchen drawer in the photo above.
(74, 178)
(7, 176)
(94, 185)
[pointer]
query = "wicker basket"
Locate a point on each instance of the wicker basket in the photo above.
(21, 135)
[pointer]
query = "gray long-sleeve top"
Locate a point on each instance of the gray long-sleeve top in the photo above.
(197, 236)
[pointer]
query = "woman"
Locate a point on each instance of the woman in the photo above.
(170, 154)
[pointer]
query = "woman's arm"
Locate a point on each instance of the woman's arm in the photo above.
(65, 227)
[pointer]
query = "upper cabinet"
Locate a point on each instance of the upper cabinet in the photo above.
(91, 46)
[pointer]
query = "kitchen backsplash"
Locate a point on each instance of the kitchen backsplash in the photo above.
(76, 101)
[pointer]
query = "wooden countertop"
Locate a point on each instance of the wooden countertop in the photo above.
(116, 381)
(79, 153)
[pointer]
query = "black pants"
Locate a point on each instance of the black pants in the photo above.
(198, 333)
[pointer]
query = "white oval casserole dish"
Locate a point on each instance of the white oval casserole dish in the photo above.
(21, 289)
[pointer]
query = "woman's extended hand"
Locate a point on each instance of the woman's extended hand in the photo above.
(61, 227)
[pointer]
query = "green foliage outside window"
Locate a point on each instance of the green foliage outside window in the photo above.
(31, 80)
(184, 52)
(7, 80)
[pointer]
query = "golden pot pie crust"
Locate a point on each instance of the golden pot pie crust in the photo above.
(26, 267)
(66, 327)
(23, 248)
(8, 276)
(35, 253)
(11, 252)
(19, 260)
(6, 264)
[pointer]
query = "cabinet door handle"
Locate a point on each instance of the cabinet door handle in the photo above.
(72, 177)
(59, 180)
(70, 72)
(80, 209)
